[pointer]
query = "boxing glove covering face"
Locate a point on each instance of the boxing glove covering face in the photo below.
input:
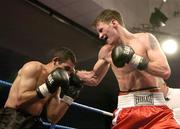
(73, 90)
(123, 54)
(75, 86)
(58, 77)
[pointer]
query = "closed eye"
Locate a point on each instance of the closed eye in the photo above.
(67, 68)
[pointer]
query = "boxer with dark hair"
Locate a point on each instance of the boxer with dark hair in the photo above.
(136, 60)
(38, 86)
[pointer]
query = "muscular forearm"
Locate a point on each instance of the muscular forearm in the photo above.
(56, 110)
(88, 77)
(26, 97)
(158, 70)
(94, 77)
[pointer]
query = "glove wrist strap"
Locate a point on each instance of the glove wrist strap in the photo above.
(67, 99)
(42, 91)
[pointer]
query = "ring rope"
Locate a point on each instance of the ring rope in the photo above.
(54, 126)
(92, 109)
(74, 103)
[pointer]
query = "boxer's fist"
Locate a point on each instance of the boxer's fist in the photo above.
(58, 77)
(123, 54)
(73, 90)
(75, 85)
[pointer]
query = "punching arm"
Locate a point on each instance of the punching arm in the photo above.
(94, 77)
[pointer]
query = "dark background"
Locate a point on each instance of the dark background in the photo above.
(27, 33)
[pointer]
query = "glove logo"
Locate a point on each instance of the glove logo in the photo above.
(126, 50)
(50, 79)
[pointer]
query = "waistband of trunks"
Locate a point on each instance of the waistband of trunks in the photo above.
(20, 111)
(152, 89)
(141, 98)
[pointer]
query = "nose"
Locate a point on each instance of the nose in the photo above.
(101, 36)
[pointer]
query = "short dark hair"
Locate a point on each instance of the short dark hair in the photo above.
(63, 54)
(107, 15)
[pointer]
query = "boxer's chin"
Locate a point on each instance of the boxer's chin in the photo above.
(108, 41)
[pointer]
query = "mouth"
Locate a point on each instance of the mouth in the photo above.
(106, 38)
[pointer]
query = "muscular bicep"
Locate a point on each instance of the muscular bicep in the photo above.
(158, 64)
(27, 78)
(94, 77)
(154, 51)
(101, 68)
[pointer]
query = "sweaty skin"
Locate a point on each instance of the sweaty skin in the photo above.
(110, 27)
(144, 44)
(23, 91)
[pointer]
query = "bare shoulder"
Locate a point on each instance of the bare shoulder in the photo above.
(104, 51)
(153, 41)
(149, 40)
(143, 36)
(31, 68)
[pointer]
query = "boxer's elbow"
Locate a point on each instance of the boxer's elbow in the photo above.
(20, 100)
(53, 118)
(166, 74)
(55, 114)
(160, 71)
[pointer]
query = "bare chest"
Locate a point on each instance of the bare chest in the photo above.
(130, 78)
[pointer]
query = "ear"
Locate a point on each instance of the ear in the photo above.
(114, 22)
(55, 60)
